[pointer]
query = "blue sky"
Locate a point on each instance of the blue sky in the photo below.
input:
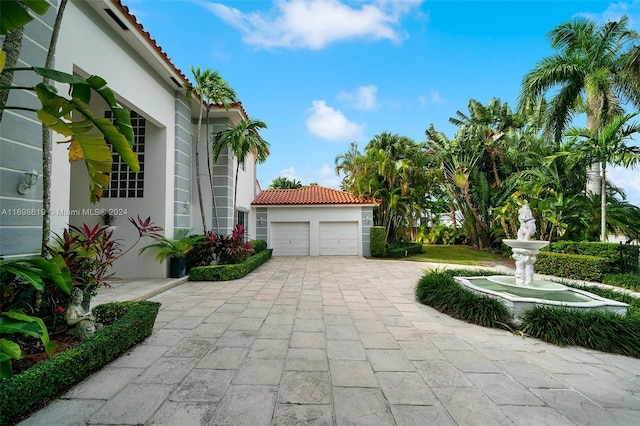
(324, 73)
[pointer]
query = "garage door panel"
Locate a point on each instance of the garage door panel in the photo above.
(290, 238)
(339, 238)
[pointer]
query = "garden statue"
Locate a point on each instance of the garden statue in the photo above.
(81, 323)
(527, 223)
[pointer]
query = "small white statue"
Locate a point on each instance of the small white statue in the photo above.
(81, 324)
(527, 223)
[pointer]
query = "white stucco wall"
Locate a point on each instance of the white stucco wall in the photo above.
(314, 215)
(88, 46)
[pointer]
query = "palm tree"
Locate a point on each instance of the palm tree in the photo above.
(285, 183)
(211, 88)
(592, 70)
(242, 140)
(606, 145)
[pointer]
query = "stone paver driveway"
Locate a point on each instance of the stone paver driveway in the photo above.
(340, 340)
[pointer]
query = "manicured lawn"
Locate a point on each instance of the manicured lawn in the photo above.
(463, 255)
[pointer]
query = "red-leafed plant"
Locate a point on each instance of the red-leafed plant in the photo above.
(217, 249)
(89, 253)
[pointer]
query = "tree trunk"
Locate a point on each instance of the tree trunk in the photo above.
(603, 206)
(198, 183)
(46, 139)
(12, 45)
(593, 172)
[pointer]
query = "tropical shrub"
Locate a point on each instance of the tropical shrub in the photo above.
(218, 249)
(378, 242)
(441, 234)
(229, 272)
(32, 388)
(90, 253)
(21, 283)
(574, 266)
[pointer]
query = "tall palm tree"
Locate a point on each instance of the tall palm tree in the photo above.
(592, 71)
(606, 145)
(242, 140)
(212, 89)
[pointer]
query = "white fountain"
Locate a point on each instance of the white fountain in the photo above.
(522, 291)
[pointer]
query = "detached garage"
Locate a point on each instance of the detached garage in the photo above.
(313, 221)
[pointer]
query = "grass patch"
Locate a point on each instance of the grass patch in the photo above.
(603, 331)
(462, 255)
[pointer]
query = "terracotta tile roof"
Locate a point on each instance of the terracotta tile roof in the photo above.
(308, 195)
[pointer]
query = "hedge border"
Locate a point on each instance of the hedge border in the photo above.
(229, 272)
(573, 266)
(23, 393)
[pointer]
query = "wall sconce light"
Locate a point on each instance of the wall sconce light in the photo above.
(186, 207)
(30, 179)
(367, 220)
(261, 220)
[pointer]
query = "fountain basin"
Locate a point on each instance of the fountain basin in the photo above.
(520, 298)
(526, 244)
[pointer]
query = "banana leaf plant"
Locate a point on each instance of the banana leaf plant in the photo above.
(90, 137)
(15, 13)
(14, 321)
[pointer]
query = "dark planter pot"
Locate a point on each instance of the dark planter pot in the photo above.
(177, 267)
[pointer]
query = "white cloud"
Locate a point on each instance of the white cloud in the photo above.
(627, 179)
(432, 99)
(325, 175)
(331, 124)
(615, 11)
(314, 24)
(364, 97)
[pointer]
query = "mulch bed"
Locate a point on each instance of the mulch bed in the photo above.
(34, 351)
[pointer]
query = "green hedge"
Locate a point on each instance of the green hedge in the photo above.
(609, 251)
(229, 272)
(574, 266)
(23, 393)
(378, 241)
(258, 245)
(408, 248)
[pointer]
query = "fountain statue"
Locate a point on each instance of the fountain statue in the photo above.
(524, 249)
(523, 291)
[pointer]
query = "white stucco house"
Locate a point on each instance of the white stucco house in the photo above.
(102, 37)
(314, 221)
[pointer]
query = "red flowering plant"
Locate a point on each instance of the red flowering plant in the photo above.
(217, 249)
(89, 253)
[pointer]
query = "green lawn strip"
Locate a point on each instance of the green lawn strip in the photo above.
(462, 255)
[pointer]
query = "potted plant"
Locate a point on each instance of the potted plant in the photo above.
(175, 249)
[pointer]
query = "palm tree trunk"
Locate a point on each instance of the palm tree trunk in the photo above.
(46, 139)
(198, 182)
(603, 205)
(12, 45)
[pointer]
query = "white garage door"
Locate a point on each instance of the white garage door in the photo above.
(338, 238)
(290, 238)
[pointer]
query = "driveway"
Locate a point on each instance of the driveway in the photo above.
(340, 340)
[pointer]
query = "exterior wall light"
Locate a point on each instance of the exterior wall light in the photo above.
(261, 220)
(30, 179)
